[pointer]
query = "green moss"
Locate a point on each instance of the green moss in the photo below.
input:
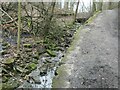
(11, 85)
(4, 44)
(20, 69)
(40, 41)
(3, 52)
(77, 34)
(60, 80)
(51, 53)
(31, 66)
(27, 45)
(36, 56)
(28, 50)
(0, 86)
(4, 79)
(92, 18)
(9, 61)
(1, 40)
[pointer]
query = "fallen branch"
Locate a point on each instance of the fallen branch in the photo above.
(11, 21)
(8, 15)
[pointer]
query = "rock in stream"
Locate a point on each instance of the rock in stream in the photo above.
(43, 75)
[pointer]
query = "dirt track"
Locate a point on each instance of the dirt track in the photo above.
(94, 61)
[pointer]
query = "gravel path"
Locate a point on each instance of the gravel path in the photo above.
(94, 61)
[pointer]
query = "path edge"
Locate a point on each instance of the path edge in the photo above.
(60, 81)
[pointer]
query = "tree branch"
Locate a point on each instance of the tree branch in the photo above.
(8, 15)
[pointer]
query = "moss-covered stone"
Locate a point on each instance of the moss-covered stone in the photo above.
(35, 61)
(41, 50)
(92, 18)
(0, 86)
(51, 53)
(20, 69)
(36, 56)
(4, 44)
(32, 66)
(11, 85)
(1, 40)
(6, 86)
(4, 48)
(38, 42)
(60, 81)
(28, 50)
(9, 61)
(3, 52)
(60, 48)
(4, 79)
(27, 45)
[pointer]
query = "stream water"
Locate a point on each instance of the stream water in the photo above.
(36, 80)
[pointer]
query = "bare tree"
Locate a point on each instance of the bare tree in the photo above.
(100, 5)
(71, 6)
(94, 6)
(66, 5)
(48, 20)
(110, 5)
(76, 11)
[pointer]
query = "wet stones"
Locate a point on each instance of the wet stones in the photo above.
(41, 50)
(9, 61)
(3, 52)
(35, 79)
(11, 85)
(4, 44)
(20, 69)
(51, 53)
(36, 56)
(43, 70)
(27, 45)
(60, 48)
(28, 50)
(32, 66)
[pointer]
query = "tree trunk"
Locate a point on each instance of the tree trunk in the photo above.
(52, 11)
(100, 6)
(71, 6)
(66, 5)
(94, 6)
(110, 5)
(19, 25)
(76, 11)
(49, 19)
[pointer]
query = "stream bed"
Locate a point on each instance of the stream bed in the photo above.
(42, 76)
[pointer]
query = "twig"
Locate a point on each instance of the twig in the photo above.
(8, 22)
(8, 15)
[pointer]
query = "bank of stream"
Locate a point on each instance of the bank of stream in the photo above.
(42, 65)
(42, 76)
